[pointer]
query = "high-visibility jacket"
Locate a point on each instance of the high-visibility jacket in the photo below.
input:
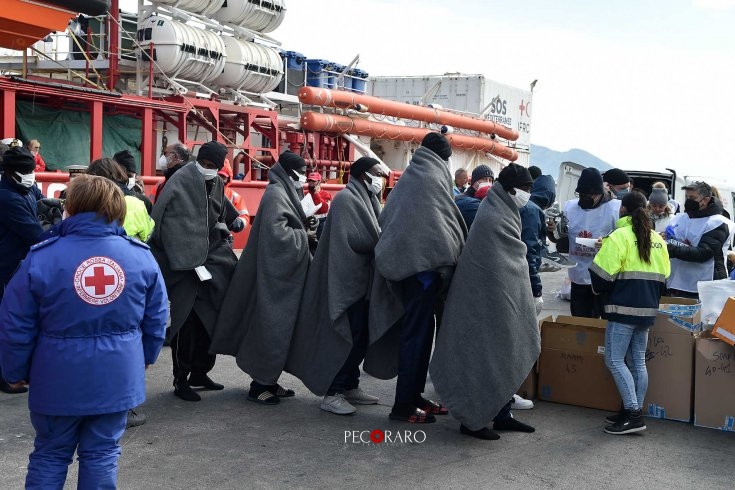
(632, 287)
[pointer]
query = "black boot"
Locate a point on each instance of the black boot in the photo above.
(184, 391)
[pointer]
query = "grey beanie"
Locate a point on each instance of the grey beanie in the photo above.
(658, 197)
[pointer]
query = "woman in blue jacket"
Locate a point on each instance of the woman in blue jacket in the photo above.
(82, 318)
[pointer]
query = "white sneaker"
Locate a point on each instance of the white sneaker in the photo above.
(337, 404)
(359, 397)
(520, 403)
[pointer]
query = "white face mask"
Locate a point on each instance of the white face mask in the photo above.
(483, 184)
(162, 162)
(26, 180)
(376, 184)
(521, 198)
(300, 180)
(208, 173)
(131, 182)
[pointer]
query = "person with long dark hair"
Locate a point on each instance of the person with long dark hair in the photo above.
(630, 272)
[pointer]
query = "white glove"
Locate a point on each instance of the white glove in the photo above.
(539, 304)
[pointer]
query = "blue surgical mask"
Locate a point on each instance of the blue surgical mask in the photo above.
(619, 194)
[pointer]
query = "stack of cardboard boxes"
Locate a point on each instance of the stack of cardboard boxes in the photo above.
(691, 375)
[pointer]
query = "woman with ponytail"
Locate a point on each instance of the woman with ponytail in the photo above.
(630, 271)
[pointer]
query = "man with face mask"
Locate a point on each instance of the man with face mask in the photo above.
(496, 331)
(617, 182)
(261, 305)
(19, 225)
(126, 160)
(698, 240)
(331, 334)
(174, 157)
(592, 215)
(190, 243)
(468, 201)
(422, 236)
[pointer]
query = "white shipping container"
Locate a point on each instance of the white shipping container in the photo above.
(473, 94)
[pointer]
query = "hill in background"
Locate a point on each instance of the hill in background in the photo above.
(548, 160)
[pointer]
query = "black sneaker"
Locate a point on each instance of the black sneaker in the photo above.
(628, 423)
(557, 259)
(613, 418)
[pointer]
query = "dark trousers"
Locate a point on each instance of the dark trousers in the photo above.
(348, 377)
(320, 228)
(190, 349)
(678, 293)
(417, 336)
(504, 412)
(584, 302)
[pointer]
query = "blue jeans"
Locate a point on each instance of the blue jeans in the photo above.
(632, 383)
(95, 438)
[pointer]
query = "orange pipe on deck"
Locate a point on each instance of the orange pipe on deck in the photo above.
(331, 123)
(350, 100)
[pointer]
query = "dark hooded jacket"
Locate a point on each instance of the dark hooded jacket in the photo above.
(709, 246)
(19, 226)
(468, 205)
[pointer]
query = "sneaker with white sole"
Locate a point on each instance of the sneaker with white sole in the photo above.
(557, 259)
(337, 404)
(359, 397)
(520, 403)
(548, 267)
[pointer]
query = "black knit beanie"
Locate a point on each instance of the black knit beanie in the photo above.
(18, 159)
(514, 175)
(590, 182)
(126, 160)
(215, 152)
(437, 143)
(291, 161)
(362, 165)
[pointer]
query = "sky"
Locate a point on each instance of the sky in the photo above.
(642, 84)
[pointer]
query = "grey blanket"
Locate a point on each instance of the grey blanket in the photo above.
(422, 230)
(489, 337)
(262, 303)
(339, 276)
(186, 218)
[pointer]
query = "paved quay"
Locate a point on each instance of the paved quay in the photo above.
(227, 442)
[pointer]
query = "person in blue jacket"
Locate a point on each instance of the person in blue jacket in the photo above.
(467, 202)
(81, 320)
(19, 225)
(533, 231)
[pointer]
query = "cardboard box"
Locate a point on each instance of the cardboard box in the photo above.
(714, 384)
(572, 366)
(529, 388)
(682, 312)
(670, 365)
(724, 328)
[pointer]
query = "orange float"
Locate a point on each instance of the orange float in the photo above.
(332, 123)
(365, 103)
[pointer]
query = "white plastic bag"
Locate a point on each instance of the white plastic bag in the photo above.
(566, 290)
(713, 295)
